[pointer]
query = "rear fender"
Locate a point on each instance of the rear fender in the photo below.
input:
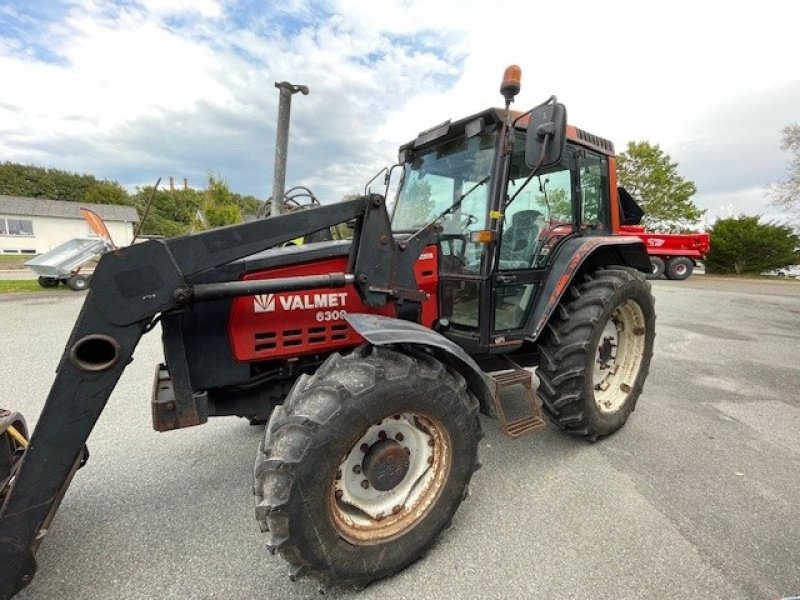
(574, 257)
(379, 330)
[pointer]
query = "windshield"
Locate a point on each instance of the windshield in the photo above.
(438, 177)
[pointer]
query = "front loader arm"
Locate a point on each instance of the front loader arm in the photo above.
(129, 288)
(77, 397)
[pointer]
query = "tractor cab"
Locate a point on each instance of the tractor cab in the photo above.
(503, 215)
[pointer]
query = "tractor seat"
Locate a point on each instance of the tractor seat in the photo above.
(519, 240)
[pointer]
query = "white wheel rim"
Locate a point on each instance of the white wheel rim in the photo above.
(618, 357)
(680, 269)
(364, 514)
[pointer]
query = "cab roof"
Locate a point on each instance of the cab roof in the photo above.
(495, 116)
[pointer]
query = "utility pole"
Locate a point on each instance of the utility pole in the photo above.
(282, 142)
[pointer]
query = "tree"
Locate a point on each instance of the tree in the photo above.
(171, 212)
(54, 184)
(417, 206)
(744, 245)
(651, 177)
(786, 193)
(220, 205)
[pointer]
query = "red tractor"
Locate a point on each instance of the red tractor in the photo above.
(370, 358)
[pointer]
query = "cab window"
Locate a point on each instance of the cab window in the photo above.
(594, 187)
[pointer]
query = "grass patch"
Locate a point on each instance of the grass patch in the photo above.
(28, 286)
(14, 261)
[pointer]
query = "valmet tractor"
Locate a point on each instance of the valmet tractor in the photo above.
(370, 358)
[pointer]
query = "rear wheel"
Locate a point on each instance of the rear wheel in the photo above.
(78, 282)
(595, 353)
(365, 464)
(679, 268)
(657, 266)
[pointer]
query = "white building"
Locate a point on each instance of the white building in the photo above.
(34, 225)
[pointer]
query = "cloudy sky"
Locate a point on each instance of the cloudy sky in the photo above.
(139, 89)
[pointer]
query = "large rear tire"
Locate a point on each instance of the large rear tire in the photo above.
(596, 351)
(365, 464)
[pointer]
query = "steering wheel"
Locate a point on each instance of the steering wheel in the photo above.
(466, 220)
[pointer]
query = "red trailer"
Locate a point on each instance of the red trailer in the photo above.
(672, 254)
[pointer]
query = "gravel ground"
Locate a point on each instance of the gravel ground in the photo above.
(695, 498)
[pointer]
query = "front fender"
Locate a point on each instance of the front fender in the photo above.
(379, 330)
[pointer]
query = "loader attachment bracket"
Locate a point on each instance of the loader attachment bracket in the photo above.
(130, 288)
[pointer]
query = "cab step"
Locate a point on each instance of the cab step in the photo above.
(532, 419)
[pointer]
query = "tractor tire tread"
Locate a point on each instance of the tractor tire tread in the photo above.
(313, 402)
(565, 345)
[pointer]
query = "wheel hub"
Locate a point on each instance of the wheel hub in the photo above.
(618, 357)
(385, 465)
(389, 478)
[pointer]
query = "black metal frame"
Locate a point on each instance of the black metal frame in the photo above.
(130, 288)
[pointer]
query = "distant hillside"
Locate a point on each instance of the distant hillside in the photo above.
(172, 213)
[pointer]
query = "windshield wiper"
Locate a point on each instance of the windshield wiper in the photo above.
(452, 207)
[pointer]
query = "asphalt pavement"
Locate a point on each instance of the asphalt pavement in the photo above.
(696, 497)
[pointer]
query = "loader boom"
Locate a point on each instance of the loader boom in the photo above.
(130, 288)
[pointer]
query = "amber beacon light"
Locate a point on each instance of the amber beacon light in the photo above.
(511, 80)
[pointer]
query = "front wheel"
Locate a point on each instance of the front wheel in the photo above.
(596, 351)
(365, 464)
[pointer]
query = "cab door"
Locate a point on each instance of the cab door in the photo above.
(536, 217)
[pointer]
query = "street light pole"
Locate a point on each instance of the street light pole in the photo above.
(282, 142)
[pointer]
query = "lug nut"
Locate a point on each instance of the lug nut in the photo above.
(382, 434)
(430, 460)
(380, 517)
(364, 448)
(408, 452)
(399, 437)
(338, 494)
(397, 417)
(365, 484)
(396, 509)
(338, 475)
(431, 443)
(356, 469)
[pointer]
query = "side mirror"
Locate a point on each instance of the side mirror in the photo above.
(547, 136)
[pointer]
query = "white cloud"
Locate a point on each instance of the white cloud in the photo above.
(178, 86)
(206, 8)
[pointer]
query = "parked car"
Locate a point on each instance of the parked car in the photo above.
(788, 271)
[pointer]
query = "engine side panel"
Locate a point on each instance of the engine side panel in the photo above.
(287, 324)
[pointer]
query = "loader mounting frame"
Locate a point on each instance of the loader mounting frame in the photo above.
(130, 288)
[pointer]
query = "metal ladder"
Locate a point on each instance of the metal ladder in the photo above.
(529, 423)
